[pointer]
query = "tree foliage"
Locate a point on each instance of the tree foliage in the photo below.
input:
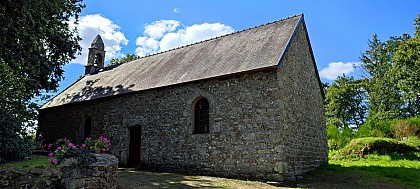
(406, 72)
(377, 62)
(389, 91)
(127, 58)
(36, 40)
(393, 74)
(338, 137)
(346, 102)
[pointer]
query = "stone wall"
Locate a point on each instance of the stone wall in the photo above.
(101, 174)
(244, 126)
(264, 124)
(301, 109)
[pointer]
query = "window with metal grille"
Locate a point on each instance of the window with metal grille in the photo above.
(201, 116)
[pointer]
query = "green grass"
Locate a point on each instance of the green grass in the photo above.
(412, 141)
(29, 164)
(386, 158)
(402, 171)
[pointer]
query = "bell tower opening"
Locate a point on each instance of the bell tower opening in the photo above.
(98, 60)
(96, 56)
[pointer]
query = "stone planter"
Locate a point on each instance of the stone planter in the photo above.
(102, 174)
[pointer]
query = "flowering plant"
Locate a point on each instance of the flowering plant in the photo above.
(81, 155)
(101, 144)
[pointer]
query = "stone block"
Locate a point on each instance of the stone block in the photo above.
(101, 174)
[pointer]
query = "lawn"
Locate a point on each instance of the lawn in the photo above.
(399, 161)
(31, 163)
(388, 167)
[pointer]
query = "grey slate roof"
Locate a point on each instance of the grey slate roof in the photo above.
(247, 50)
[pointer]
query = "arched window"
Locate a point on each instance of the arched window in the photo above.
(201, 116)
(87, 129)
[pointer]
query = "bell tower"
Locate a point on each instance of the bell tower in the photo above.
(96, 56)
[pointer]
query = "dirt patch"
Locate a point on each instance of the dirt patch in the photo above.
(134, 178)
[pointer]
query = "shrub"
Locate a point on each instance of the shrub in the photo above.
(14, 148)
(404, 129)
(416, 122)
(363, 146)
(338, 137)
(374, 128)
(395, 128)
(14, 143)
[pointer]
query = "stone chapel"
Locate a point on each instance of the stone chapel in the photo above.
(247, 104)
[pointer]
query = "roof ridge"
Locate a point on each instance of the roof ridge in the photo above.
(225, 35)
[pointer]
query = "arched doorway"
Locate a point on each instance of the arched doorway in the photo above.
(134, 146)
(87, 128)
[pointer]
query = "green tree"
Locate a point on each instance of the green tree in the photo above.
(36, 40)
(346, 102)
(127, 58)
(377, 63)
(406, 72)
(392, 71)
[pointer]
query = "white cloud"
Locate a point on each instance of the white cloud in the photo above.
(88, 28)
(147, 45)
(168, 34)
(336, 69)
(176, 10)
(157, 29)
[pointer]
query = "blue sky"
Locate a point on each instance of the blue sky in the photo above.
(338, 30)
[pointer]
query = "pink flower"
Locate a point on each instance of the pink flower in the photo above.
(103, 150)
(83, 145)
(55, 161)
(49, 146)
(51, 154)
(58, 148)
(71, 145)
(49, 160)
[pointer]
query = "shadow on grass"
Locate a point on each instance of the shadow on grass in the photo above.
(406, 156)
(338, 176)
